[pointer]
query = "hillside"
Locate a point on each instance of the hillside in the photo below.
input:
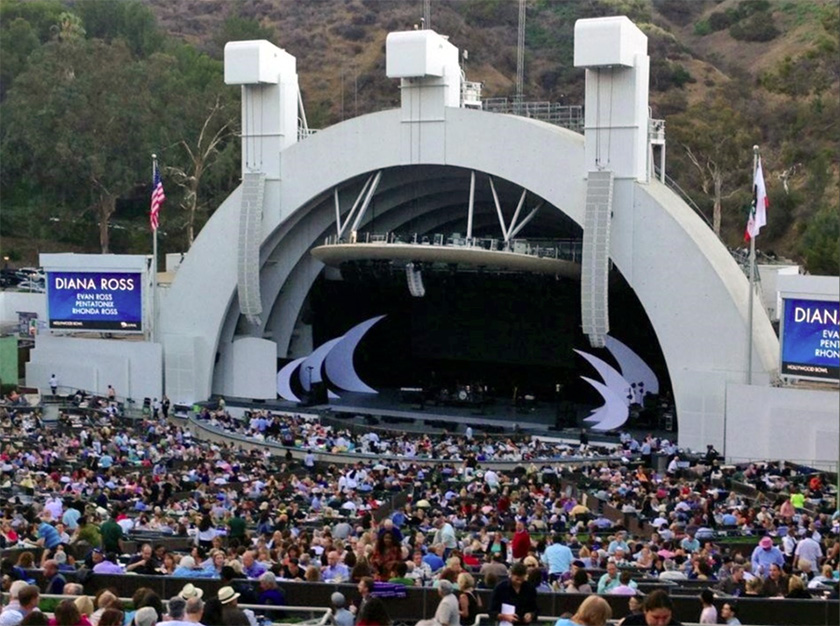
(724, 74)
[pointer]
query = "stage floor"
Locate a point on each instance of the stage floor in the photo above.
(539, 418)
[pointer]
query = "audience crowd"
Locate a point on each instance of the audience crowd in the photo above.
(77, 493)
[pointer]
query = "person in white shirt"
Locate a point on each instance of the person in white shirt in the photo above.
(54, 506)
(809, 550)
(671, 572)
(448, 612)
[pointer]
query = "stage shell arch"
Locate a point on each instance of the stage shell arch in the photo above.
(692, 290)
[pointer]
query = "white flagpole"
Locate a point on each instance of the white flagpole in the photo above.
(752, 277)
(154, 263)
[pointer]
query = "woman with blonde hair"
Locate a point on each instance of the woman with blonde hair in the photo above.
(796, 589)
(469, 604)
(85, 605)
(105, 599)
(593, 611)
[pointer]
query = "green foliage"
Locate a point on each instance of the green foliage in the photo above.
(665, 75)
(819, 242)
(46, 188)
(350, 32)
(803, 11)
(818, 176)
(17, 41)
(490, 12)
(41, 15)
(720, 20)
(750, 20)
(783, 209)
(814, 70)
(637, 10)
(758, 27)
(747, 8)
(679, 12)
(82, 116)
(129, 20)
(702, 28)
(237, 28)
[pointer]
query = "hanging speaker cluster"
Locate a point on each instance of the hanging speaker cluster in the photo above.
(414, 278)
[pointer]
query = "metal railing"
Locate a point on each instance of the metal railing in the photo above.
(324, 613)
(561, 249)
(567, 116)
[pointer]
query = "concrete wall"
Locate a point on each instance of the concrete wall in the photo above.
(13, 301)
(253, 372)
(794, 424)
(133, 368)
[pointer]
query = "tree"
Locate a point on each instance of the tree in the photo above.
(717, 142)
(129, 20)
(236, 28)
(819, 242)
(200, 117)
(24, 26)
(215, 131)
(77, 120)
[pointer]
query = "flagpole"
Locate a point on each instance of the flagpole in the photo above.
(752, 287)
(154, 265)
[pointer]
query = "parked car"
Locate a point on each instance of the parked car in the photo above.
(31, 273)
(9, 278)
(32, 285)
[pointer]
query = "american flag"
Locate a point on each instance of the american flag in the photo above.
(157, 199)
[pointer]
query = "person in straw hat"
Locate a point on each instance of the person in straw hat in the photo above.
(191, 591)
(232, 615)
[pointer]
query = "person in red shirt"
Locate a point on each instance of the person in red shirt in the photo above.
(521, 543)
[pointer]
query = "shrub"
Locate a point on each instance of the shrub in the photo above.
(720, 20)
(759, 27)
(702, 28)
(350, 32)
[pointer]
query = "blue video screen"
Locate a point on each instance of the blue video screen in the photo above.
(811, 339)
(95, 301)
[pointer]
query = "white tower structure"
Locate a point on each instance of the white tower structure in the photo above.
(269, 80)
(430, 74)
(614, 52)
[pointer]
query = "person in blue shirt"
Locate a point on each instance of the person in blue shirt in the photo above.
(619, 543)
(188, 569)
(558, 557)
(70, 519)
(433, 559)
(271, 595)
(689, 543)
(251, 567)
(335, 570)
(765, 555)
(48, 536)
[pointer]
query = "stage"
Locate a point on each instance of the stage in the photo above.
(387, 410)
